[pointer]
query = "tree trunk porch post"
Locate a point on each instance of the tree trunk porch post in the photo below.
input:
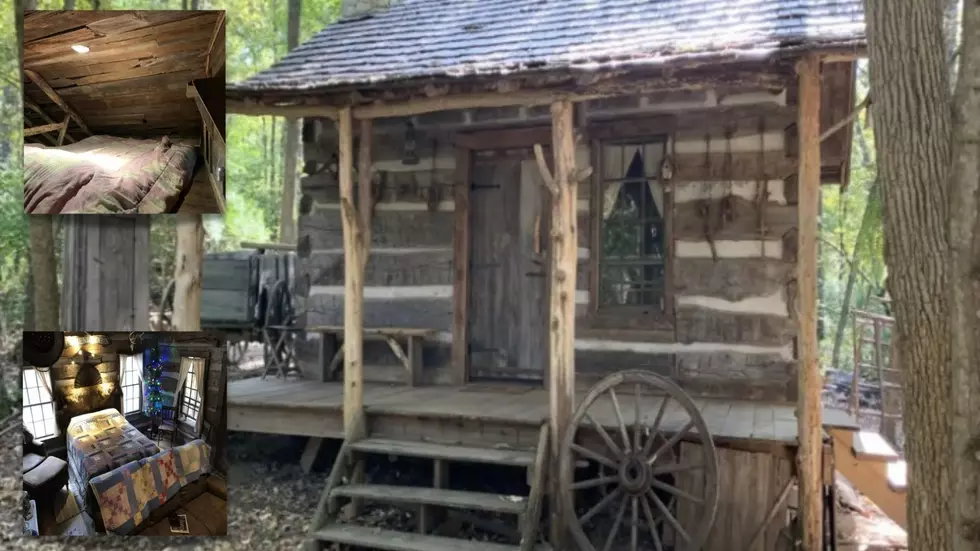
(353, 274)
(809, 407)
(561, 313)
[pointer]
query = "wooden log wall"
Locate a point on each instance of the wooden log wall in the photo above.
(734, 330)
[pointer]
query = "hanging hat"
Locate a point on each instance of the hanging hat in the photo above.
(43, 348)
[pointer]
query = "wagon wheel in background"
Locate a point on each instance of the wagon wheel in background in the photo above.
(166, 307)
(279, 313)
(637, 466)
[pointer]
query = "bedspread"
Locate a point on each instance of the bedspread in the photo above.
(128, 495)
(100, 442)
(106, 174)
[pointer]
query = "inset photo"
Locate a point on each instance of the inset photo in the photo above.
(124, 434)
(124, 112)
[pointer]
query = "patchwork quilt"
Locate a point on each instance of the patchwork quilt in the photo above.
(106, 174)
(100, 442)
(130, 493)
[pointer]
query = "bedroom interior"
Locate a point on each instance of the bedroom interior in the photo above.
(124, 112)
(125, 433)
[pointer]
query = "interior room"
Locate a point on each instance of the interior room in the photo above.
(124, 112)
(124, 433)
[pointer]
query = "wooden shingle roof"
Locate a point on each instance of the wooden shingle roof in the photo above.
(420, 39)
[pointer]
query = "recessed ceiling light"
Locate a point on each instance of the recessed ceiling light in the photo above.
(80, 48)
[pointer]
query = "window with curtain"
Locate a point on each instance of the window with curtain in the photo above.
(632, 228)
(190, 396)
(131, 368)
(38, 405)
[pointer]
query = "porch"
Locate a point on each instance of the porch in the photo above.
(490, 415)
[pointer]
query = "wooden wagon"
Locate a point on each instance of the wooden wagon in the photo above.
(249, 295)
(604, 214)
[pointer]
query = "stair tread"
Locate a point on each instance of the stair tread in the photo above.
(391, 540)
(482, 501)
(497, 456)
(871, 445)
(897, 472)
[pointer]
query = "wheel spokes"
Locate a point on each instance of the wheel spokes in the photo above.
(603, 503)
(619, 418)
(615, 527)
(653, 526)
(676, 468)
(656, 427)
(597, 457)
(637, 416)
(594, 482)
(635, 528)
(668, 517)
(677, 492)
(670, 443)
(605, 436)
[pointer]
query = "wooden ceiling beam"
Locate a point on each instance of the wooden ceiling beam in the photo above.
(35, 130)
(44, 116)
(214, 37)
(48, 91)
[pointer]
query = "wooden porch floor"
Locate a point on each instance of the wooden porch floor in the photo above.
(311, 408)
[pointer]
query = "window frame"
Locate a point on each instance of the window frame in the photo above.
(628, 316)
(26, 407)
(138, 384)
(198, 402)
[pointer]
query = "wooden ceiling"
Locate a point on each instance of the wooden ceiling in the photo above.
(133, 80)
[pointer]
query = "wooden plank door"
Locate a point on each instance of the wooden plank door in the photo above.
(508, 294)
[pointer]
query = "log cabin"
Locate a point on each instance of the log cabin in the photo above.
(123, 431)
(124, 112)
(577, 238)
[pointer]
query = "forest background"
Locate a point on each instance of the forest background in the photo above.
(851, 259)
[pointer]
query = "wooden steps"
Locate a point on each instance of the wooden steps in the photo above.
(479, 501)
(874, 468)
(391, 540)
(514, 458)
(432, 502)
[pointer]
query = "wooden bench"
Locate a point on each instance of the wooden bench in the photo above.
(410, 356)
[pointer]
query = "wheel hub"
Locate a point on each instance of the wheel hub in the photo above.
(634, 474)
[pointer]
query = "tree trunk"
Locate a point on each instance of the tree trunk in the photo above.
(195, 4)
(290, 131)
(964, 235)
(910, 82)
(187, 273)
(69, 4)
(845, 308)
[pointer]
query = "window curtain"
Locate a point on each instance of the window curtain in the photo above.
(185, 367)
(616, 161)
(199, 369)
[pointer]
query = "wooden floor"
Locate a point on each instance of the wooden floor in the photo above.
(200, 198)
(310, 408)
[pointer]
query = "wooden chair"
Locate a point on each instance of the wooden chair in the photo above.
(166, 423)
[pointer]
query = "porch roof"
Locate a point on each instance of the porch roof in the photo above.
(419, 40)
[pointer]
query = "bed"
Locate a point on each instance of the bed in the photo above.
(106, 174)
(99, 442)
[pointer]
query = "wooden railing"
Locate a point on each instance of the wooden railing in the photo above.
(212, 148)
(881, 369)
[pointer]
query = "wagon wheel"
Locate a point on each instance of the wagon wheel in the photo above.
(166, 306)
(278, 313)
(636, 465)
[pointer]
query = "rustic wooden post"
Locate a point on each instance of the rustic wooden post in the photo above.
(105, 278)
(809, 408)
(188, 273)
(561, 313)
(353, 274)
(461, 267)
